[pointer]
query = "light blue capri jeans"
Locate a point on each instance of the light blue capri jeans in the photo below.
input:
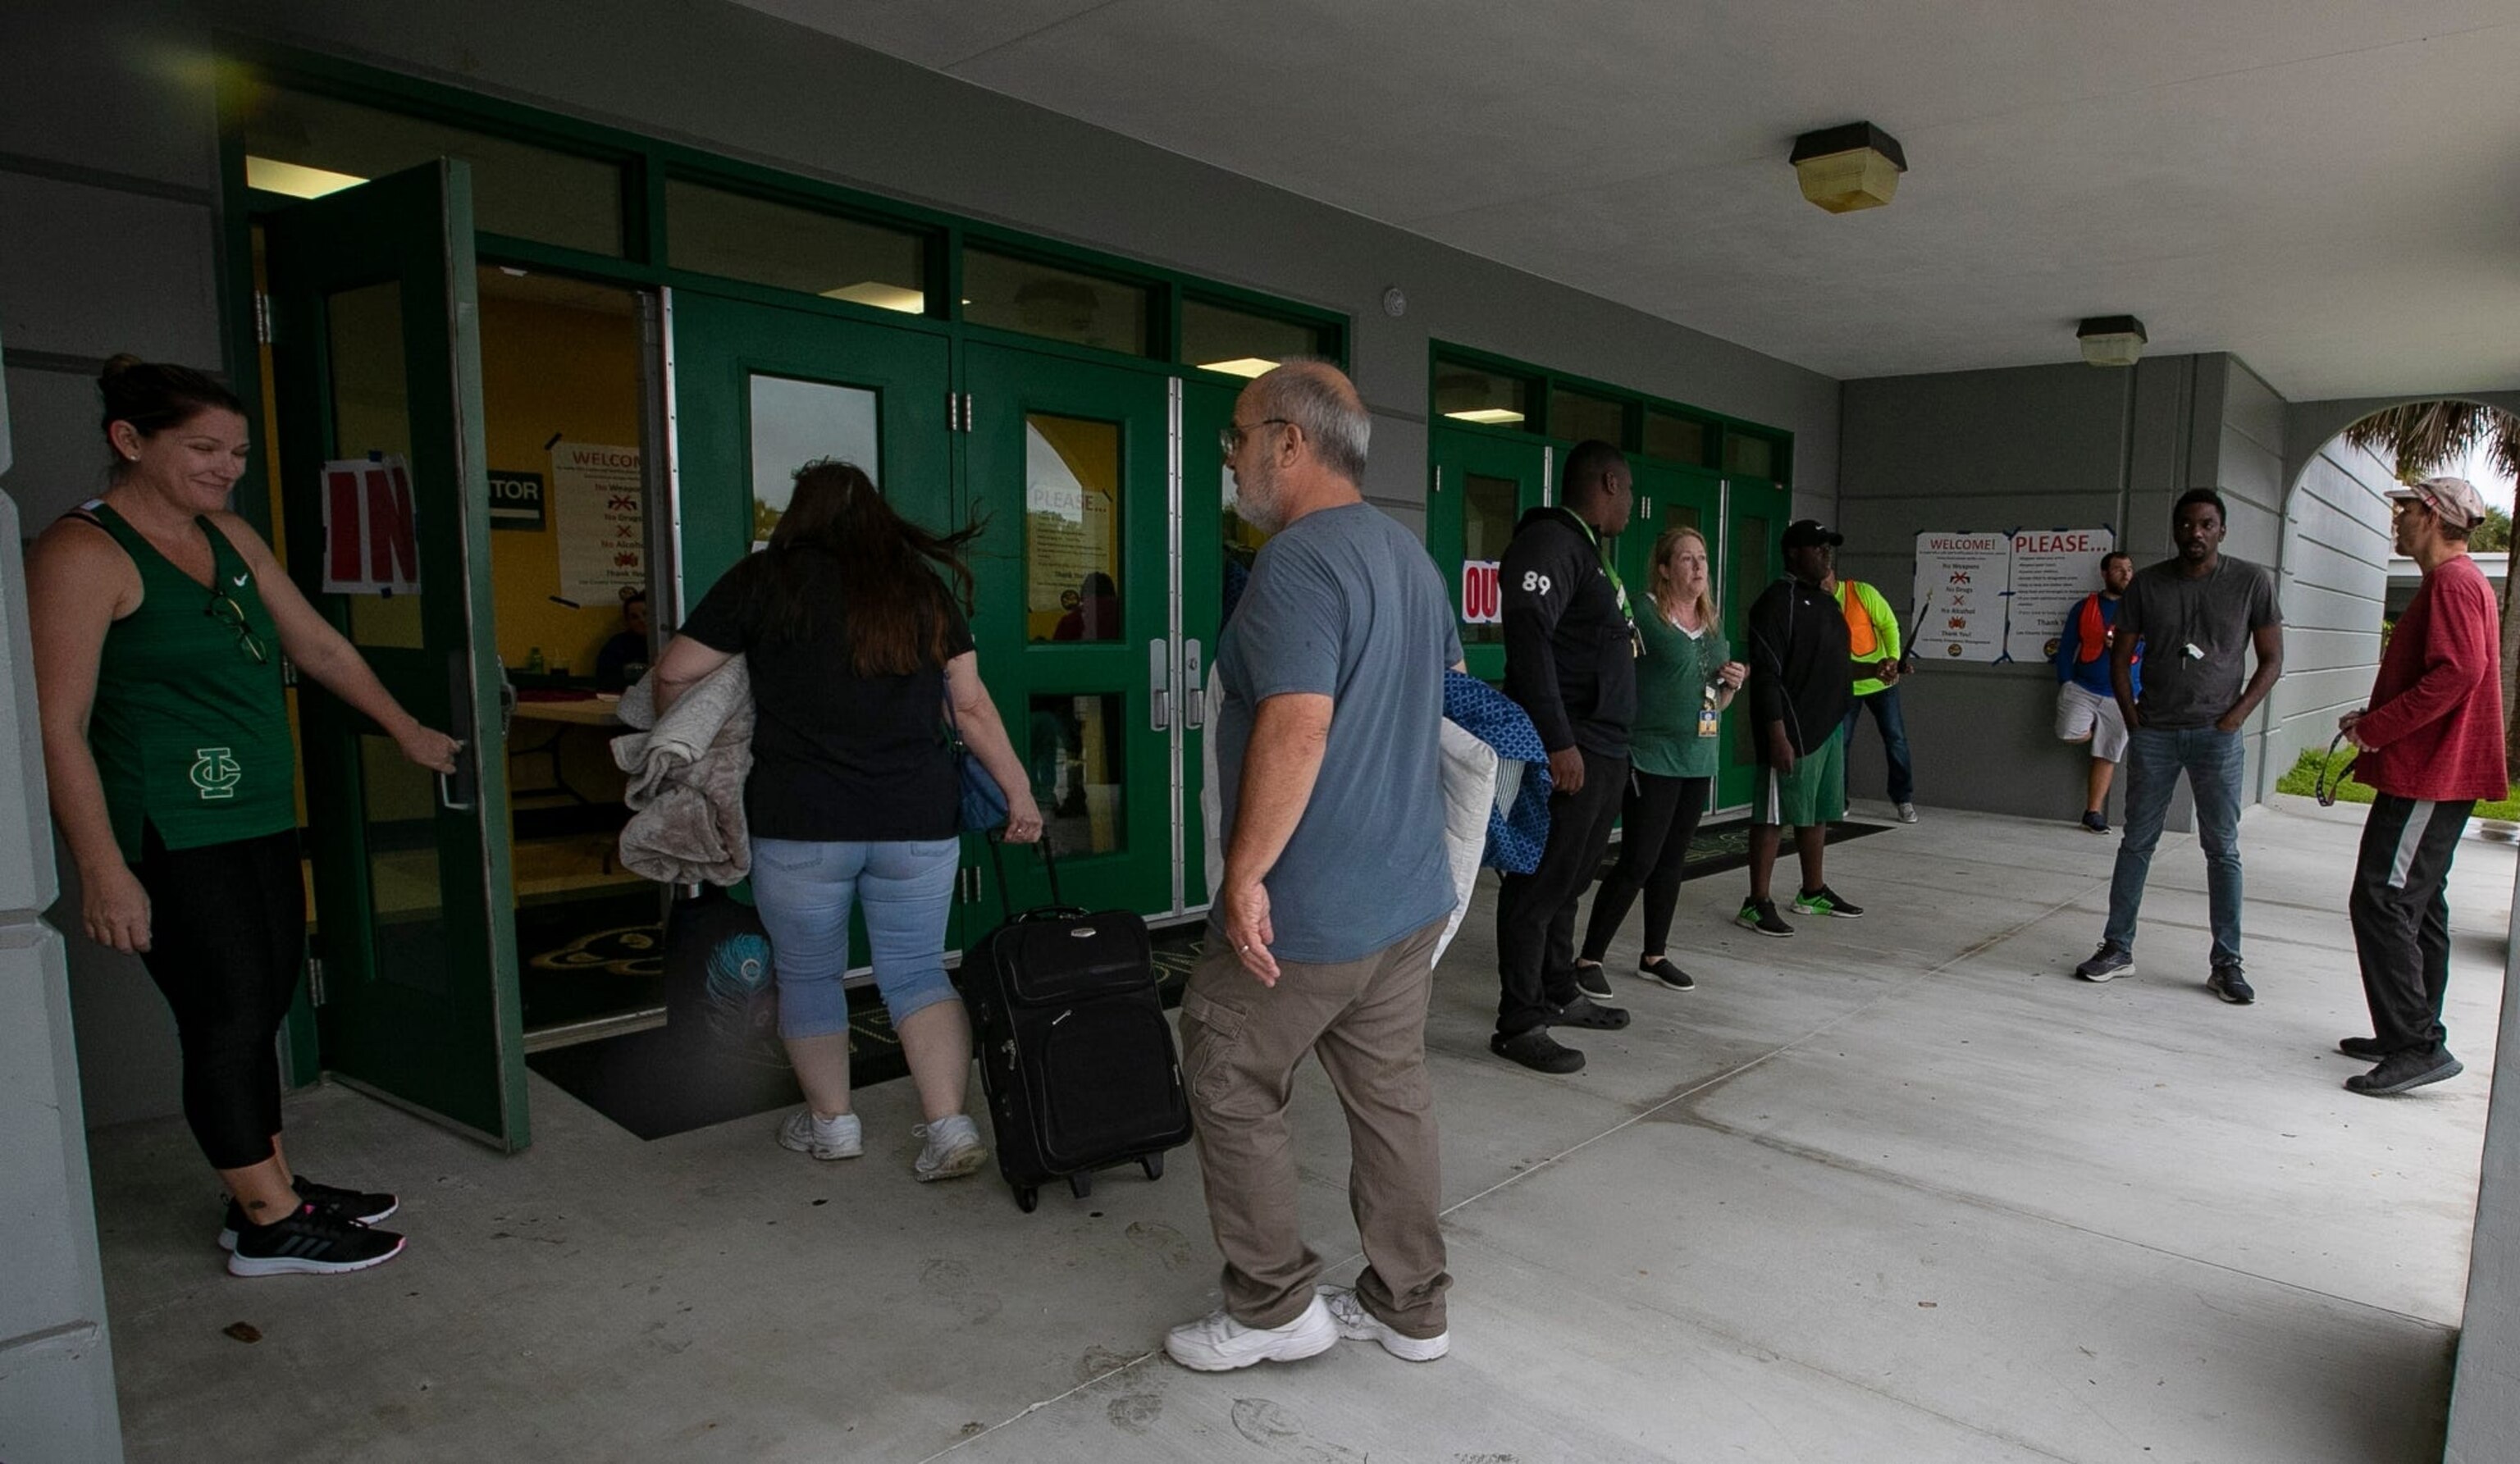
(804, 891)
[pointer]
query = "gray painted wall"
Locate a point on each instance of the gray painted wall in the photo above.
(109, 179)
(2337, 580)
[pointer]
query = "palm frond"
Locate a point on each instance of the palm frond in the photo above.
(2421, 437)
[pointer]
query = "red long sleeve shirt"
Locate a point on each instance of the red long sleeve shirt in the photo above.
(2436, 721)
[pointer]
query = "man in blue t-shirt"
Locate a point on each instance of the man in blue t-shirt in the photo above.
(1334, 890)
(2086, 706)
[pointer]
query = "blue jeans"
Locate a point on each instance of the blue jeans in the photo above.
(804, 891)
(1894, 740)
(2213, 762)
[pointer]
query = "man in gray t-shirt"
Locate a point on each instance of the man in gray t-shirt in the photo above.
(1334, 890)
(2198, 616)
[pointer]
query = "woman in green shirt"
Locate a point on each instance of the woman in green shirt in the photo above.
(160, 621)
(1685, 678)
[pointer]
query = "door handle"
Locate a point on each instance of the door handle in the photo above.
(462, 777)
(458, 791)
(1193, 688)
(1159, 684)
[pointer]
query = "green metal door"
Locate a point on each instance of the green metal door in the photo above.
(1482, 484)
(1215, 559)
(1071, 465)
(376, 354)
(1755, 515)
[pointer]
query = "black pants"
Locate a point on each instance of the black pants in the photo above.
(1536, 911)
(2401, 909)
(227, 939)
(1657, 820)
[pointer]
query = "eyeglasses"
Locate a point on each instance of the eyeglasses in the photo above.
(1230, 436)
(228, 612)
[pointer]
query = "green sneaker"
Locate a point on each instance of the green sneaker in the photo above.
(1761, 915)
(1826, 902)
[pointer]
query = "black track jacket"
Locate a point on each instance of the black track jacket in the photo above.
(1569, 654)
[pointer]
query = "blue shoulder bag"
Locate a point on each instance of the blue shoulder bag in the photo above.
(983, 802)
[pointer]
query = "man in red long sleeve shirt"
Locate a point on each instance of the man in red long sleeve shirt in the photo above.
(2431, 744)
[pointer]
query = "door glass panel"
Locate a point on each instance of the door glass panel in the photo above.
(742, 237)
(1057, 304)
(1239, 343)
(406, 902)
(308, 146)
(1488, 509)
(1073, 581)
(795, 423)
(1075, 751)
(1469, 393)
(1679, 439)
(1749, 456)
(1577, 417)
(1751, 571)
(371, 414)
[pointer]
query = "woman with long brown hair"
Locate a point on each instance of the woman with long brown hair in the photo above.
(855, 644)
(1685, 680)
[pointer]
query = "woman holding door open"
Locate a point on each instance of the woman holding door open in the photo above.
(855, 646)
(160, 621)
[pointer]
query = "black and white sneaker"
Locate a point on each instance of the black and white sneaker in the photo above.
(1761, 915)
(1661, 969)
(1593, 981)
(1826, 902)
(310, 1243)
(365, 1207)
(2227, 982)
(2108, 963)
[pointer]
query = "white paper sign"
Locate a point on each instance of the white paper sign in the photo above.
(370, 544)
(1482, 599)
(598, 501)
(2052, 570)
(1960, 581)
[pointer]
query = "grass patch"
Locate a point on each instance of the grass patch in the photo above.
(2303, 779)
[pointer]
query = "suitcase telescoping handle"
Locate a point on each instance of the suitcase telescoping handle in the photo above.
(1049, 862)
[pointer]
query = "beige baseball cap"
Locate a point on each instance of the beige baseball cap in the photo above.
(2455, 500)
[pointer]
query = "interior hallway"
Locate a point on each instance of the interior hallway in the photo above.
(1897, 1189)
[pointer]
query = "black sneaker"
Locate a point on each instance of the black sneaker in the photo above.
(1583, 1011)
(1661, 969)
(1537, 1050)
(1593, 981)
(1761, 915)
(2400, 1071)
(2230, 984)
(2096, 823)
(2108, 963)
(310, 1243)
(329, 1199)
(2363, 1049)
(1826, 902)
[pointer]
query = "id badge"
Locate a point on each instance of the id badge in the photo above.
(1709, 722)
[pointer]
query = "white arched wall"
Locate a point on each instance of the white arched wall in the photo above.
(2333, 579)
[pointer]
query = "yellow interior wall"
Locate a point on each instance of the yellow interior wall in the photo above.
(545, 369)
(1092, 452)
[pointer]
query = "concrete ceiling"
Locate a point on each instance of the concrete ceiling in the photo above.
(2329, 188)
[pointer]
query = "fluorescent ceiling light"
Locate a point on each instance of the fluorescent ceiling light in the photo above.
(1496, 417)
(1241, 366)
(882, 296)
(299, 182)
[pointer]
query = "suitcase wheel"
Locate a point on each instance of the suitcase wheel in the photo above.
(1080, 1185)
(1027, 1198)
(1153, 1164)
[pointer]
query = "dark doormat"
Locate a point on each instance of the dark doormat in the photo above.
(685, 1076)
(1726, 846)
(590, 957)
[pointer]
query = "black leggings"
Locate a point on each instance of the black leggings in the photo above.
(1656, 821)
(227, 933)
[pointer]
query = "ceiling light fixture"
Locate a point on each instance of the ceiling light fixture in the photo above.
(1494, 416)
(2111, 340)
(880, 296)
(298, 181)
(1242, 366)
(1850, 167)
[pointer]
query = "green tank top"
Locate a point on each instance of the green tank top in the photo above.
(189, 729)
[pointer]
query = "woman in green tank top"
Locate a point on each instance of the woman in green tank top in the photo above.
(159, 620)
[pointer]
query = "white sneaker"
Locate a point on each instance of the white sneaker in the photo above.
(1217, 1343)
(824, 1139)
(953, 1148)
(1357, 1324)
(1907, 813)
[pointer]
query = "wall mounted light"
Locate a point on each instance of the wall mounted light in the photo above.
(2111, 340)
(1850, 167)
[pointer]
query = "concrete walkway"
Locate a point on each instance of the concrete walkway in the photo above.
(1896, 1189)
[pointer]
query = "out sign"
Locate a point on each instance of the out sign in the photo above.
(1481, 601)
(370, 544)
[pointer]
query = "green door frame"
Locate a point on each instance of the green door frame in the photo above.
(437, 1027)
(1466, 469)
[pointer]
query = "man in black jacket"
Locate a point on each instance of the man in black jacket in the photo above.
(1570, 661)
(1801, 684)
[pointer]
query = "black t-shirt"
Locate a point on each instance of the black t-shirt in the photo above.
(835, 755)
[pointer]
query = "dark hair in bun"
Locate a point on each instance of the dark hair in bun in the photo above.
(153, 397)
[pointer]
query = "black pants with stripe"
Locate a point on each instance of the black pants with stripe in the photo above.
(2400, 910)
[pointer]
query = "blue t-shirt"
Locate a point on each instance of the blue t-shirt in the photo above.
(1345, 603)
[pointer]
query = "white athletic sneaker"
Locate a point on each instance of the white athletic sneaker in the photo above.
(1357, 1324)
(1217, 1343)
(824, 1139)
(953, 1148)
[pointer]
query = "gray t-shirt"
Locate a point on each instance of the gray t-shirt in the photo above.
(2214, 614)
(1343, 602)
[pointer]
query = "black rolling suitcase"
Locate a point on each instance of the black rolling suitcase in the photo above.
(1075, 1049)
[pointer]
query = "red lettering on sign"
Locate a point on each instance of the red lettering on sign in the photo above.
(1480, 593)
(393, 550)
(342, 492)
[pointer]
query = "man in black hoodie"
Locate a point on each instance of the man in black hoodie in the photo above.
(1570, 662)
(1801, 681)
